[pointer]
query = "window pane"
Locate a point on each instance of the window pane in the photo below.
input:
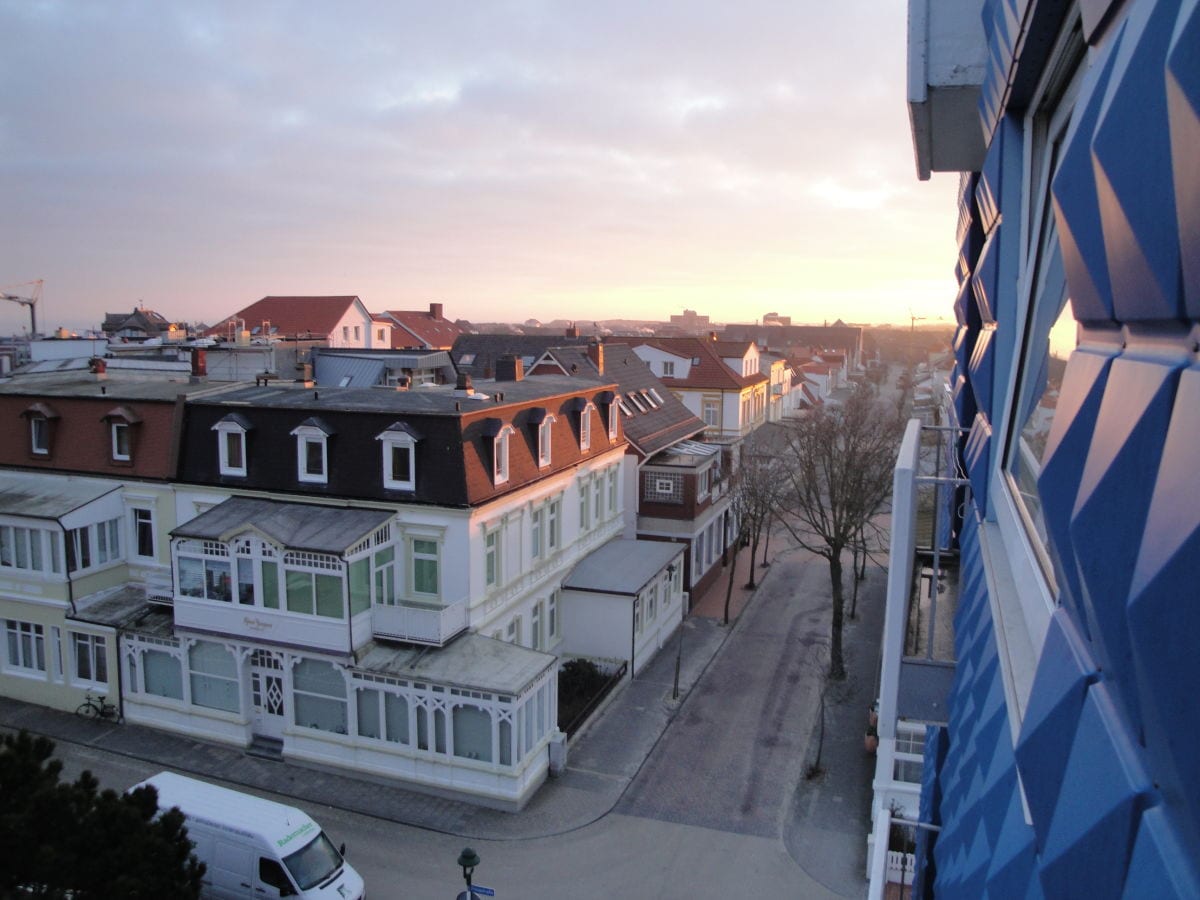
(395, 710)
(245, 580)
(270, 581)
(299, 591)
(319, 677)
(314, 457)
(401, 460)
(83, 657)
(425, 567)
(163, 674)
(329, 596)
(472, 733)
(360, 586)
(368, 713)
(233, 449)
(217, 579)
(191, 576)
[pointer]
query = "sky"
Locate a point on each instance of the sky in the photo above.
(510, 160)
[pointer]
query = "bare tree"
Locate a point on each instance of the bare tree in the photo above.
(839, 474)
(754, 496)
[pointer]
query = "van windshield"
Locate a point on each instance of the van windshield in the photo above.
(313, 864)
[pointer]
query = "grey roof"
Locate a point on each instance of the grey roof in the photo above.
(49, 496)
(425, 400)
(470, 661)
(486, 349)
(354, 371)
(298, 526)
(650, 431)
(622, 566)
(114, 387)
(125, 606)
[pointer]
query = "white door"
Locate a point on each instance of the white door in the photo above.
(266, 688)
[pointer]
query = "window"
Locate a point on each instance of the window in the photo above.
(613, 421)
(585, 428)
(513, 633)
(314, 593)
(491, 558)
(553, 527)
(544, 441)
(162, 674)
(143, 531)
(93, 545)
(319, 689)
(500, 455)
(90, 654)
(537, 521)
(214, 677)
(585, 517)
(312, 454)
(636, 401)
(231, 447)
(657, 396)
(663, 487)
(120, 441)
(637, 615)
(384, 565)
(382, 715)
(668, 368)
(379, 335)
(425, 567)
(358, 332)
(552, 617)
(26, 646)
(206, 578)
(345, 332)
(472, 733)
(613, 475)
(399, 458)
(652, 603)
(39, 435)
(711, 411)
(33, 549)
(535, 627)
(702, 483)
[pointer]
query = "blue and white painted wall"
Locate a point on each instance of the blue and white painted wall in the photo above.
(1069, 766)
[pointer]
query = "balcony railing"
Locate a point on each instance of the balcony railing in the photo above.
(420, 623)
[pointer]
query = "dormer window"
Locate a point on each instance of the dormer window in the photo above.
(399, 446)
(500, 434)
(121, 422)
(585, 427)
(668, 368)
(312, 451)
(41, 424)
(231, 444)
(636, 401)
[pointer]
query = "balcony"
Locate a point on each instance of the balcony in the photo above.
(947, 58)
(274, 625)
(420, 623)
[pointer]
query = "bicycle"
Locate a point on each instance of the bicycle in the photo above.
(98, 708)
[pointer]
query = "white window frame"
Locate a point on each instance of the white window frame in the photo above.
(535, 626)
(225, 430)
(136, 523)
(552, 624)
(95, 647)
(613, 421)
(500, 447)
(545, 441)
(668, 368)
(117, 430)
(585, 427)
(390, 441)
(414, 556)
(553, 524)
(18, 633)
(305, 435)
(491, 557)
(713, 406)
(39, 435)
(537, 532)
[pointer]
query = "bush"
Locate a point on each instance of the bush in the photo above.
(579, 682)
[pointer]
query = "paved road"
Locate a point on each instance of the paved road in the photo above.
(730, 758)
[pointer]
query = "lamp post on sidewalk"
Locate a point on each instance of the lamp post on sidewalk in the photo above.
(679, 648)
(468, 860)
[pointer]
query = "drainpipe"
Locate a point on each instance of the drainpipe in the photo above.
(70, 585)
(632, 637)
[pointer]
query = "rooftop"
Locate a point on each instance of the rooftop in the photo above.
(622, 566)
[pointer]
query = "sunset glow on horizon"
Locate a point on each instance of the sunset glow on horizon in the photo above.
(510, 161)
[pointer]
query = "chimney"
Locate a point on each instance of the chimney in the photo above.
(98, 367)
(573, 330)
(712, 335)
(595, 352)
(435, 311)
(199, 362)
(463, 386)
(510, 368)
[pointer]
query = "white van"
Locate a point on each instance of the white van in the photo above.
(254, 847)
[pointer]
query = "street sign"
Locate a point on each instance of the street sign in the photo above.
(485, 891)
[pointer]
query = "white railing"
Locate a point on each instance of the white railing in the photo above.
(900, 867)
(420, 623)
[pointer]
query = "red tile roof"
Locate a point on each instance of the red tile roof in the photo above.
(423, 330)
(711, 372)
(289, 316)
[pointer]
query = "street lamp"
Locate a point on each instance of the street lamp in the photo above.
(468, 859)
(679, 649)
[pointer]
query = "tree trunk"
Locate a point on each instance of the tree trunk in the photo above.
(767, 542)
(837, 664)
(729, 585)
(751, 585)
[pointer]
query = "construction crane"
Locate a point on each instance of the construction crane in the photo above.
(31, 301)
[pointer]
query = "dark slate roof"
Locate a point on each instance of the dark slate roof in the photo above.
(470, 661)
(476, 354)
(650, 431)
(297, 526)
(622, 566)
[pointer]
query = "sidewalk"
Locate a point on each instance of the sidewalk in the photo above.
(601, 762)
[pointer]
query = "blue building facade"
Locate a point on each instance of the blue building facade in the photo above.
(1068, 766)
